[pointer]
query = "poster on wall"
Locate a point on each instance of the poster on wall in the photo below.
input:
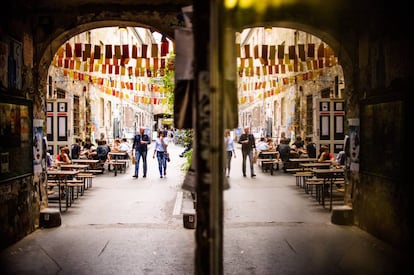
(354, 142)
(38, 154)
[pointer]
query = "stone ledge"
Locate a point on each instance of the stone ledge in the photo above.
(49, 217)
(189, 218)
(342, 215)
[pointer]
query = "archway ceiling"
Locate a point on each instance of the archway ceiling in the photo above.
(47, 4)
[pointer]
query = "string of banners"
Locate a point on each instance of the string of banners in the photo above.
(125, 71)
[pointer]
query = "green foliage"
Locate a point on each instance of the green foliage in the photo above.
(169, 84)
(187, 137)
(189, 157)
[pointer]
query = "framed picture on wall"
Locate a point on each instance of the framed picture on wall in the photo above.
(11, 62)
(16, 134)
(385, 134)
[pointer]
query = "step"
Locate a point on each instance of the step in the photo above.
(342, 215)
(49, 217)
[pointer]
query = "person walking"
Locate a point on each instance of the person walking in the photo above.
(229, 145)
(160, 150)
(248, 145)
(140, 146)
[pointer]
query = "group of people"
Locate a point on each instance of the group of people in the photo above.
(284, 150)
(140, 151)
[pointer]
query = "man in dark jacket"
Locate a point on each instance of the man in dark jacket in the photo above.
(248, 146)
(140, 146)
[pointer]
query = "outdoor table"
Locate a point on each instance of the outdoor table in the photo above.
(118, 160)
(74, 166)
(266, 159)
(315, 165)
(328, 176)
(62, 176)
(91, 162)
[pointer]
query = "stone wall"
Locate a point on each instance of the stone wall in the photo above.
(19, 210)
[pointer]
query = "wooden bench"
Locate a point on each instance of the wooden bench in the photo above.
(71, 185)
(293, 170)
(301, 177)
(269, 164)
(94, 171)
(86, 178)
(118, 164)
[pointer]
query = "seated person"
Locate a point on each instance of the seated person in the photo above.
(101, 151)
(115, 146)
(270, 144)
(325, 155)
(88, 148)
(340, 158)
(63, 157)
(262, 145)
(284, 150)
(310, 147)
(124, 147)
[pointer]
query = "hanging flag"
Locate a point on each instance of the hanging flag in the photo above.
(125, 51)
(301, 48)
(97, 52)
(164, 46)
(238, 50)
(118, 51)
(68, 50)
(311, 50)
(155, 67)
(256, 51)
(280, 51)
(144, 49)
(87, 52)
(77, 65)
(321, 51)
(320, 61)
(283, 69)
(247, 51)
(272, 52)
(78, 49)
(154, 50)
(108, 51)
(292, 52)
(134, 51)
(61, 52)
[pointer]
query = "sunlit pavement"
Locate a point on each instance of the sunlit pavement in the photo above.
(125, 225)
